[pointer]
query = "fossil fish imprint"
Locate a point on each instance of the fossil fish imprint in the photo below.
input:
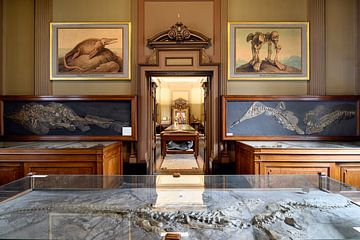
(40, 119)
(318, 119)
(286, 118)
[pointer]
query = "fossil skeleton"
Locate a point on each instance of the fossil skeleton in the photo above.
(315, 121)
(286, 118)
(154, 220)
(40, 119)
(318, 119)
(147, 217)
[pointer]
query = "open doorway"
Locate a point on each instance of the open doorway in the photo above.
(179, 124)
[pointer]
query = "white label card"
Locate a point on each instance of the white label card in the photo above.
(126, 131)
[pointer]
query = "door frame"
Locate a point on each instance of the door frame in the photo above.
(207, 109)
(198, 68)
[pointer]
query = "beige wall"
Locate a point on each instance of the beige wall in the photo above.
(18, 52)
(340, 46)
(18, 56)
(267, 10)
(167, 93)
(340, 43)
(91, 10)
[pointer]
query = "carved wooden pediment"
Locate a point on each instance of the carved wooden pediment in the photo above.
(180, 103)
(179, 36)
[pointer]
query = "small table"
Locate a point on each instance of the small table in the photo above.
(179, 132)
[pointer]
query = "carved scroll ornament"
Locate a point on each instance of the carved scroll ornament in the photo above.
(179, 36)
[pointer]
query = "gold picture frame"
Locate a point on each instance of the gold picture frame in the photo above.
(90, 51)
(268, 51)
(180, 116)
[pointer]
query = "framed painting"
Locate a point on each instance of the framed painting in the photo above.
(268, 51)
(90, 51)
(180, 116)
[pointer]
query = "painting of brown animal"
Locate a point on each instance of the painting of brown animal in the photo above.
(89, 48)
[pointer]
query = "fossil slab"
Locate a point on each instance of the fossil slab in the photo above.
(41, 119)
(224, 214)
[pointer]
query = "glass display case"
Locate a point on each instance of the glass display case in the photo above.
(185, 207)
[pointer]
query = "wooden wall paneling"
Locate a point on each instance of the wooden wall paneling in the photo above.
(316, 18)
(224, 20)
(43, 16)
(1, 46)
(1, 118)
(358, 118)
(357, 48)
(225, 158)
(134, 46)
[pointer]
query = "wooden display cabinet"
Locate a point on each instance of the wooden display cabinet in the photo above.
(269, 157)
(86, 158)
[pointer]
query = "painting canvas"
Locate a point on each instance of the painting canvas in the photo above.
(90, 51)
(180, 116)
(268, 51)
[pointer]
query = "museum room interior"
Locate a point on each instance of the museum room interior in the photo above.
(177, 78)
(182, 89)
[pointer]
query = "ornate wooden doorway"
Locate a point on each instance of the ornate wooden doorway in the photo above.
(200, 126)
(147, 104)
(178, 51)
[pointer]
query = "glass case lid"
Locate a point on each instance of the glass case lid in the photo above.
(187, 206)
(246, 182)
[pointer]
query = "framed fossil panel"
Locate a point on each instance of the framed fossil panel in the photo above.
(90, 51)
(268, 51)
(290, 117)
(68, 117)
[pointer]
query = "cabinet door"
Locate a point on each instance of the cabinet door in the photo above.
(60, 168)
(350, 174)
(9, 172)
(294, 168)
